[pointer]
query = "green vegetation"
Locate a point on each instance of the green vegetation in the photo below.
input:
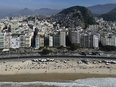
(46, 51)
(83, 53)
(94, 53)
(108, 48)
(41, 48)
(59, 51)
(110, 16)
(25, 51)
(85, 15)
(74, 47)
(61, 47)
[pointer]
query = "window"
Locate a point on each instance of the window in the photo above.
(16, 43)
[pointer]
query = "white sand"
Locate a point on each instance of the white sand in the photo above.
(19, 67)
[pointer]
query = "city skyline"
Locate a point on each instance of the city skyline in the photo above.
(53, 4)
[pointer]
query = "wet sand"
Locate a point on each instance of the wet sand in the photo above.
(51, 77)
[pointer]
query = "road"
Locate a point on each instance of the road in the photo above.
(57, 56)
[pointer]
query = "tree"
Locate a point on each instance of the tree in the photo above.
(61, 47)
(46, 51)
(5, 27)
(74, 47)
(83, 53)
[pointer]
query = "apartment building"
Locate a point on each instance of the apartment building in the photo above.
(22, 41)
(15, 41)
(86, 40)
(60, 39)
(95, 41)
(57, 40)
(37, 41)
(41, 41)
(50, 41)
(2, 40)
(28, 40)
(46, 40)
(8, 40)
(108, 40)
(74, 36)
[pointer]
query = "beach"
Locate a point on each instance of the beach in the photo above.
(59, 69)
(61, 72)
(54, 77)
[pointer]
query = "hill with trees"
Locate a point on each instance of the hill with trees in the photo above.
(74, 16)
(110, 16)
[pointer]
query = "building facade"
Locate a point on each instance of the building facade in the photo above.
(37, 41)
(8, 40)
(74, 36)
(86, 40)
(62, 39)
(1, 40)
(15, 41)
(50, 41)
(22, 40)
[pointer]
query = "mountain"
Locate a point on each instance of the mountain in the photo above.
(74, 16)
(113, 11)
(101, 9)
(22, 12)
(110, 16)
(25, 11)
(5, 12)
(41, 11)
(46, 11)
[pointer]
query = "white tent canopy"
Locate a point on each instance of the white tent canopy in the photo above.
(5, 50)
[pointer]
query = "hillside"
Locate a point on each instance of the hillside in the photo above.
(74, 16)
(101, 9)
(113, 11)
(110, 16)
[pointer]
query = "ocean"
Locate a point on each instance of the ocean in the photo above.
(89, 82)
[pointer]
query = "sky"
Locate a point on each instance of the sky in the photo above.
(53, 4)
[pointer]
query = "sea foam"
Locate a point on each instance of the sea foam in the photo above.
(41, 84)
(98, 82)
(90, 82)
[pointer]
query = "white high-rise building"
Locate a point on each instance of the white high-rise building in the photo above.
(22, 40)
(108, 40)
(15, 41)
(50, 41)
(1, 40)
(62, 39)
(37, 41)
(95, 41)
(28, 38)
(8, 40)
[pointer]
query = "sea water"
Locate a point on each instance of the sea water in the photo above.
(90, 82)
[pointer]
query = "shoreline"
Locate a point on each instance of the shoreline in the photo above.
(51, 77)
(57, 70)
